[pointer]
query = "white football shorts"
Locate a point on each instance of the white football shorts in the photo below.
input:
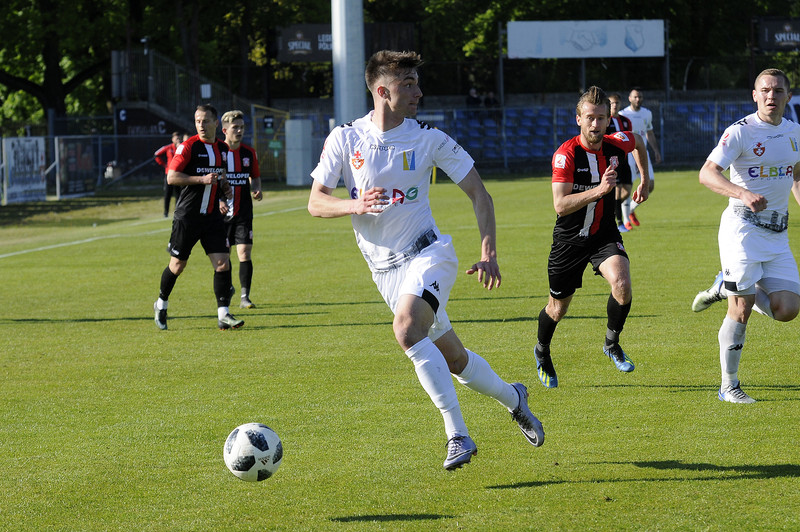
(750, 254)
(433, 271)
(635, 169)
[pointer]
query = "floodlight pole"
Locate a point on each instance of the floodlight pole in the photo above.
(349, 90)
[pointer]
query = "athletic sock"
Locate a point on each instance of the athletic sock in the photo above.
(617, 314)
(222, 287)
(434, 376)
(633, 206)
(762, 304)
(626, 209)
(731, 341)
(546, 329)
(618, 211)
(245, 276)
(478, 375)
(167, 284)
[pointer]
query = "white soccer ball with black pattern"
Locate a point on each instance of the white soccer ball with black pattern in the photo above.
(253, 452)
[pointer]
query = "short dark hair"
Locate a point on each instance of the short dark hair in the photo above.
(774, 72)
(389, 63)
(595, 96)
(207, 108)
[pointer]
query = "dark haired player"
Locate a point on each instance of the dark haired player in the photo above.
(385, 159)
(197, 167)
(584, 181)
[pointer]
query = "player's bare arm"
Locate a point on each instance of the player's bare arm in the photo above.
(651, 140)
(640, 157)
(565, 202)
(487, 268)
(255, 188)
(796, 189)
(712, 177)
(323, 204)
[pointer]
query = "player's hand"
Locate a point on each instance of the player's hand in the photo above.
(609, 180)
(209, 179)
(223, 207)
(226, 186)
(488, 273)
(641, 193)
(754, 202)
(257, 195)
(373, 200)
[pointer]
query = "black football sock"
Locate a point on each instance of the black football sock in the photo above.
(617, 314)
(246, 276)
(222, 288)
(547, 328)
(167, 283)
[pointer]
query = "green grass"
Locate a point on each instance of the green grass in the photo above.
(110, 424)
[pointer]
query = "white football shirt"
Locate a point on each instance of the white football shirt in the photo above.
(399, 160)
(761, 158)
(641, 121)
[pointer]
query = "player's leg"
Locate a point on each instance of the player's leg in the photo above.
(731, 338)
(243, 250)
(615, 268)
(181, 241)
(778, 291)
(215, 243)
(632, 217)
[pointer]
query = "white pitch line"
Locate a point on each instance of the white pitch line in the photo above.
(134, 224)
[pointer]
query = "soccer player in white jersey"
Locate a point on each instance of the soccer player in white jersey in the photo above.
(642, 120)
(758, 269)
(385, 159)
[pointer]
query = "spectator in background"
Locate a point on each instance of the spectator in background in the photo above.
(163, 156)
(473, 100)
(490, 101)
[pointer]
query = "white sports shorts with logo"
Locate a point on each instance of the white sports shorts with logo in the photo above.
(750, 254)
(432, 273)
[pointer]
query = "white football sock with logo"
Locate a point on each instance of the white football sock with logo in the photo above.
(731, 341)
(478, 375)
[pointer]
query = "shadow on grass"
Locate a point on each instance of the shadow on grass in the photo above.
(383, 518)
(737, 472)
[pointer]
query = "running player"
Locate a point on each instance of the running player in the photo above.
(197, 167)
(758, 269)
(245, 178)
(584, 181)
(385, 159)
(622, 206)
(642, 120)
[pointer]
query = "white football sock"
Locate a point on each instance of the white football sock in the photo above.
(161, 304)
(222, 312)
(731, 341)
(478, 375)
(633, 205)
(434, 375)
(626, 209)
(762, 304)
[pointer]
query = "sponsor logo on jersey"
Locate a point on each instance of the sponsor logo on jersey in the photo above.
(560, 161)
(357, 160)
(759, 149)
(381, 147)
(770, 171)
(409, 160)
(398, 196)
(621, 136)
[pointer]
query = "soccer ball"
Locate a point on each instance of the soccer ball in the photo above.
(253, 452)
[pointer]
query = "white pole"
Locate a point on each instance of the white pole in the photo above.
(349, 88)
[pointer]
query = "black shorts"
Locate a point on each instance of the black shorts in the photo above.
(185, 234)
(624, 174)
(239, 230)
(567, 262)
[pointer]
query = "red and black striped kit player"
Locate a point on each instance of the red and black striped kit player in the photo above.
(584, 185)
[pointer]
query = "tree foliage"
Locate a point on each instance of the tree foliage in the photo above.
(55, 54)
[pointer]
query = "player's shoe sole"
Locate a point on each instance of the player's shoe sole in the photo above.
(460, 450)
(708, 297)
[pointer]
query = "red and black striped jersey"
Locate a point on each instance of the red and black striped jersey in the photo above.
(242, 166)
(195, 157)
(621, 123)
(583, 168)
(164, 155)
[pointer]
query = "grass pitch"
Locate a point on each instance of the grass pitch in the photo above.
(110, 424)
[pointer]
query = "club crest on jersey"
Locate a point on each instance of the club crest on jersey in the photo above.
(560, 160)
(759, 149)
(245, 161)
(357, 160)
(409, 160)
(613, 161)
